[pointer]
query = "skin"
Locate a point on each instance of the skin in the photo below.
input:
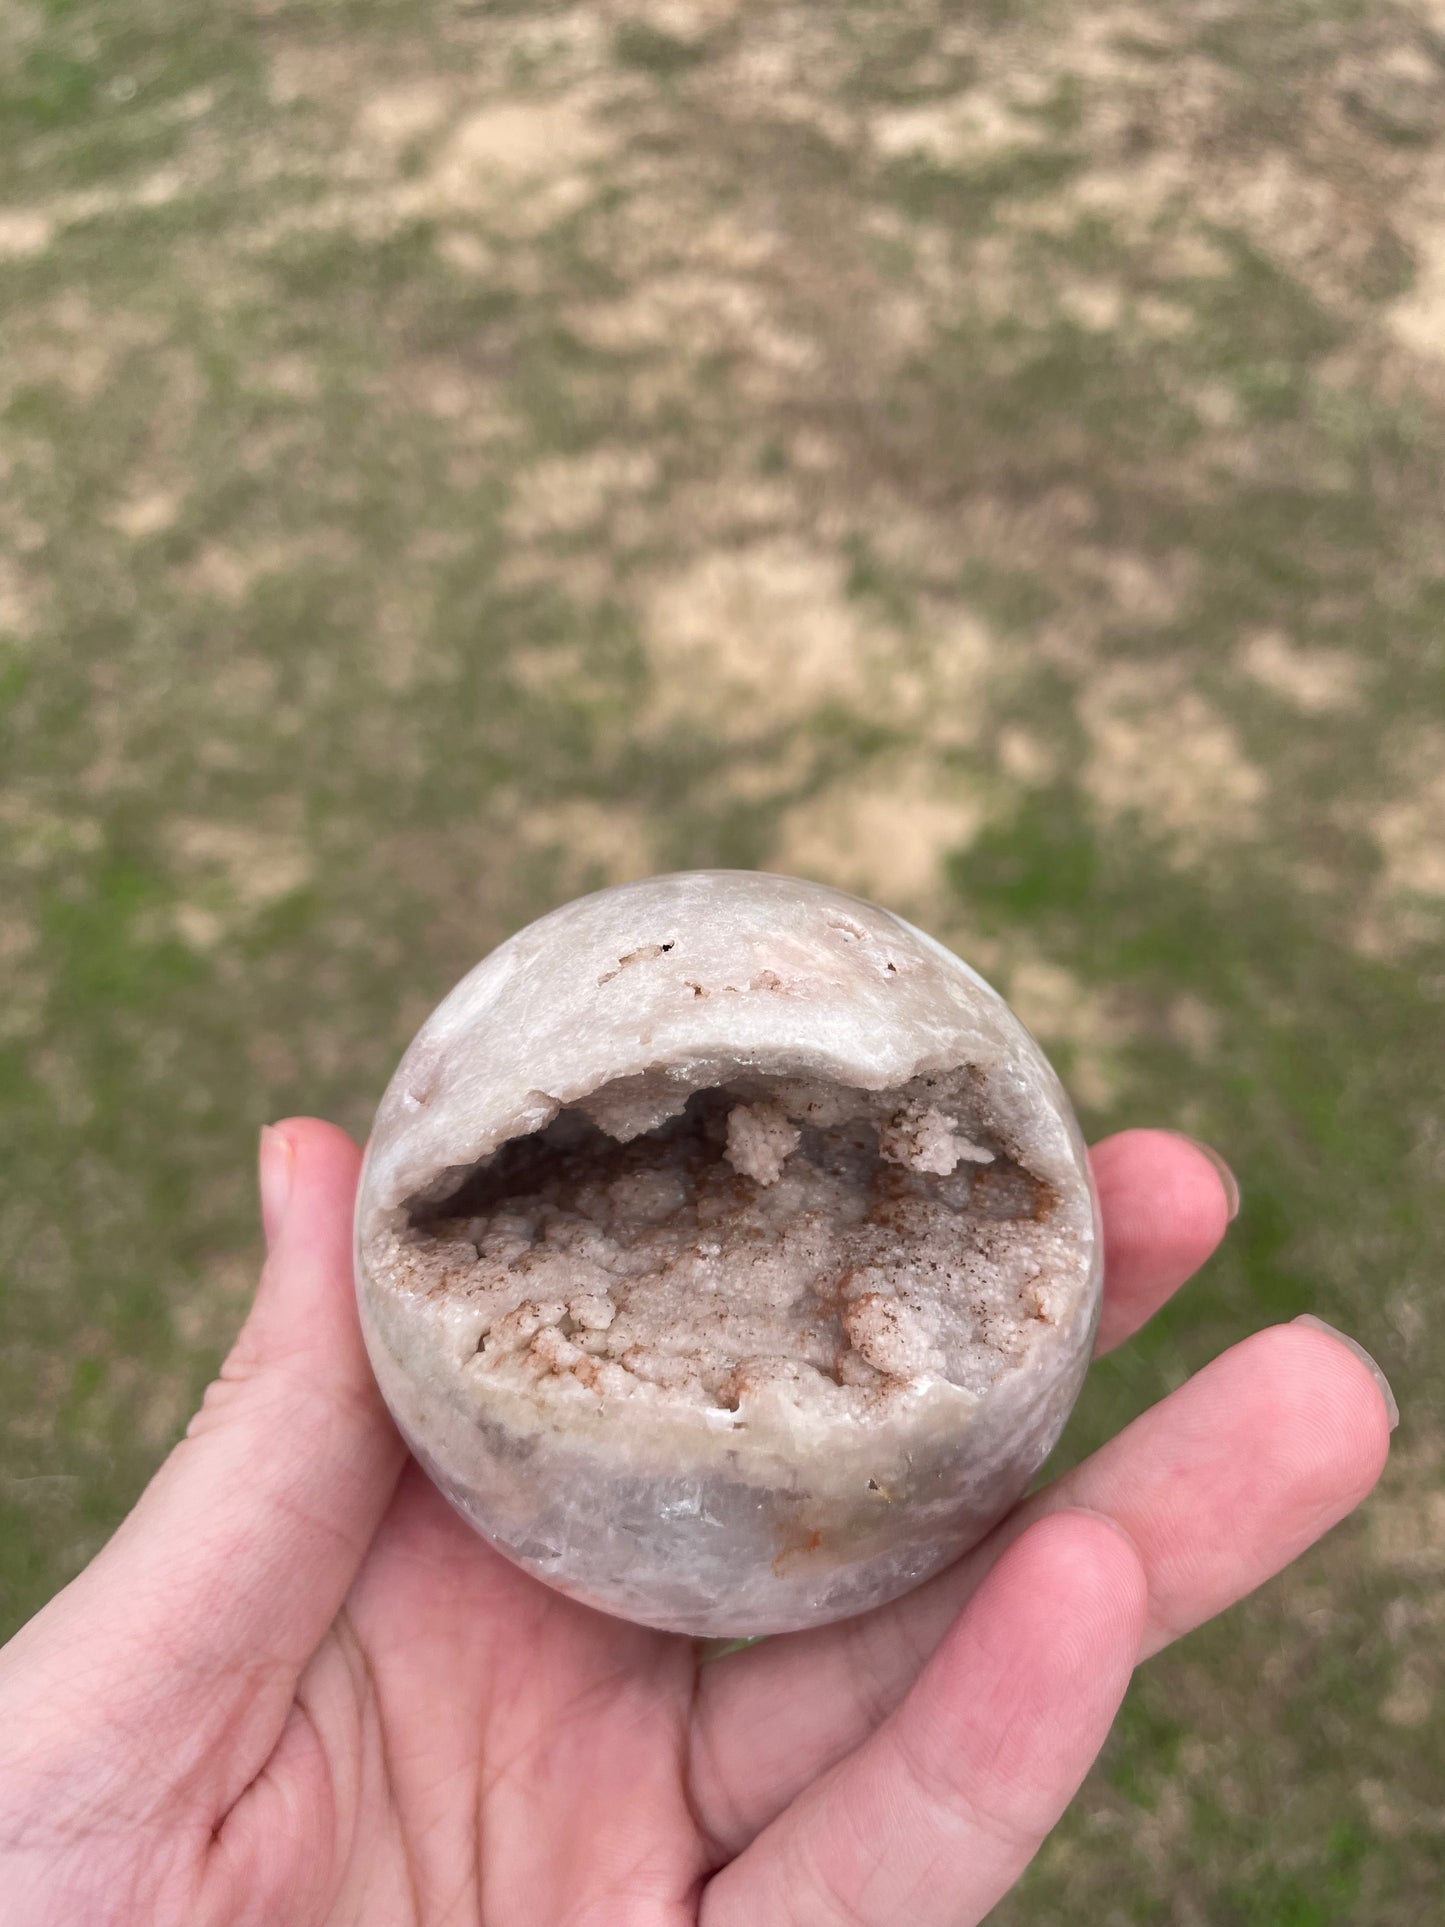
(295, 1688)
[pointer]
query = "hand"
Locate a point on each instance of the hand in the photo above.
(295, 1688)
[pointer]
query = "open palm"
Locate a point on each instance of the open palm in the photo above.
(296, 1689)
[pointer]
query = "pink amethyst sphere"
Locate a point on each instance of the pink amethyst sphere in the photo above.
(727, 1252)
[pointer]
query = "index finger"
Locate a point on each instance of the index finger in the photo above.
(1167, 1202)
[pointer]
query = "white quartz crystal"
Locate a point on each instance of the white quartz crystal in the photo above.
(727, 1253)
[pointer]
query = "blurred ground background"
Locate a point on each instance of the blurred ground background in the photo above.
(990, 455)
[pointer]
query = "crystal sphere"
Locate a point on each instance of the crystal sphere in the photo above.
(727, 1252)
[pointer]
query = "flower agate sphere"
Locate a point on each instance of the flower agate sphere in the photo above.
(727, 1253)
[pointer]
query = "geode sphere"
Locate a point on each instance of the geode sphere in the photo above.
(727, 1252)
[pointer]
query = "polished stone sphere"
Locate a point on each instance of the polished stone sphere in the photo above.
(727, 1252)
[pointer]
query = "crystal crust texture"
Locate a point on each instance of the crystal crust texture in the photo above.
(727, 1253)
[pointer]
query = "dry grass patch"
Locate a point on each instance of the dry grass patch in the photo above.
(764, 634)
(885, 836)
(1161, 752)
(1319, 682)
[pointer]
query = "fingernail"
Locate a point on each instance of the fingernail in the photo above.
(1226, 1176)
(1354, 1345)
(274, 1162)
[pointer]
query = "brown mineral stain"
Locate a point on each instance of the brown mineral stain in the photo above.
(1045, 1199)
(642, 955)
(1005, 1189)
(792, 1556)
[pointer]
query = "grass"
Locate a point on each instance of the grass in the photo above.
(457, 457)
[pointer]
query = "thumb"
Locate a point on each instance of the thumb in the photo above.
(194, 1623)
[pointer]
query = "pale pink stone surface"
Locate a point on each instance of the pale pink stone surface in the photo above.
(756, 1361)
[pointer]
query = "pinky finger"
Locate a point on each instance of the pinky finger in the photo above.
(934, 1818)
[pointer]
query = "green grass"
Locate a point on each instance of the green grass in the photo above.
(1022, 380)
